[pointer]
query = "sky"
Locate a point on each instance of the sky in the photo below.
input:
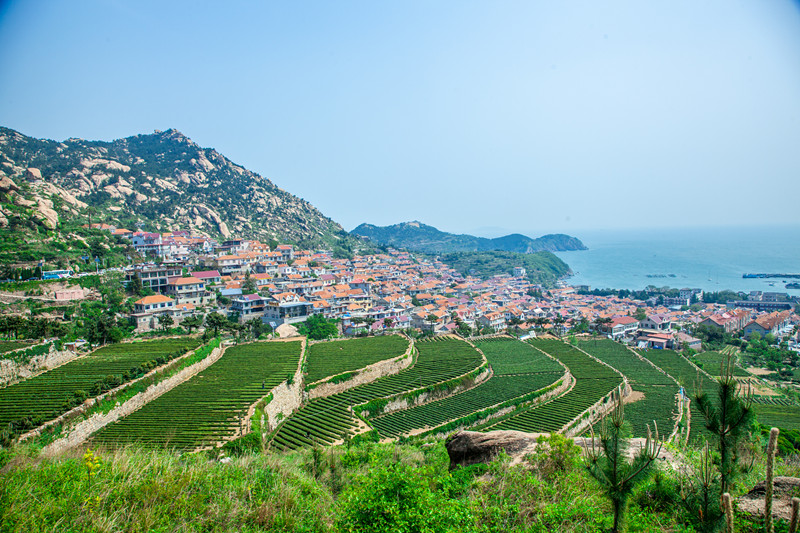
(485, 117)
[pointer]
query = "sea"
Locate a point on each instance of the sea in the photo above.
(711, 259)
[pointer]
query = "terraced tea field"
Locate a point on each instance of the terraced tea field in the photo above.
(207, 408)
(327, 359)
(781, 416)
(519, 370)
(687, 375)
(658, 402)
(326, 420)
(509, 356)
(9, 346)
(593, 381)
(712, 362)
(32, 402)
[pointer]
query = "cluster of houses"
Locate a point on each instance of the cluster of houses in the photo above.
(248, 280)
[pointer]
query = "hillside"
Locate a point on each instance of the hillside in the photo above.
(159, 182)
(541, 267)
(419, 237)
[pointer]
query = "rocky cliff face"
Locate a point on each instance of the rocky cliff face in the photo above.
(162, 182)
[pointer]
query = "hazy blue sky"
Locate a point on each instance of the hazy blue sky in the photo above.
(534, 116)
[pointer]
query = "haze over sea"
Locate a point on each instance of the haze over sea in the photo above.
(712, 259)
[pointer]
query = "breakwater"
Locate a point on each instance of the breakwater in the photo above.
(765, 276)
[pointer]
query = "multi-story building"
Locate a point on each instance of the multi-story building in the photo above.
(147, 310)
(774, 323)
(188, 290)
(248, 306)
(154, 277)
(287, 312)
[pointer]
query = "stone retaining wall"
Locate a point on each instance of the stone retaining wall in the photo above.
(286, 398)
(11, 371)
(402, 402)
(567, 381)
(367, 375)
(601, 408)
(84, 429)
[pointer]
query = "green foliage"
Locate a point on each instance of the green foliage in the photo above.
(554, 455)
(317, 327)
(330, 358)
(659, 389)
(608, 463)
(541, 267)
(28, 404)
(398, 499)
(728, 419)
(593, 381)
(215, 321)
(328, 419)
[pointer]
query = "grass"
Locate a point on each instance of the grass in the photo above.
(365, 487)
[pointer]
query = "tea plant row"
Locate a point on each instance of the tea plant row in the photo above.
(30, 403)
(326, 420)
(335, 357)
(211, 406)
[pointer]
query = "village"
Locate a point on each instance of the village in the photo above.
(190, 276)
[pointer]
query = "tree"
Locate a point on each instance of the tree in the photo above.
(602, 323)
(194, 321)
(165, 321)
(317, 327)
(640, 314)
(608, 465)
(388, 323)
(728, 419)
(256, 327)
(103, 329)
(431, 319)
(215, 321)
(558, 322)
(249, 286)
(14, 324)
(135, 285)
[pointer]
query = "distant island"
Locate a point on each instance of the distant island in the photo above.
(419, 237)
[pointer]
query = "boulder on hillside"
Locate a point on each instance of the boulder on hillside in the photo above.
(33, 174)
(472, 447)
(7, 184)
(784, 488)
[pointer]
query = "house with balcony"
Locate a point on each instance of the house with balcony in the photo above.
(493, 320)
(248, 307)
(656, 322)
(154, 277)
(147, 310)
(189, 290)
(623, 327)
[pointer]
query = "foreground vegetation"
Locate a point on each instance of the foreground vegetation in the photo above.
(363, 487)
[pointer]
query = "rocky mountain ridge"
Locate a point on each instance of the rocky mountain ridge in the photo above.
(162, 181)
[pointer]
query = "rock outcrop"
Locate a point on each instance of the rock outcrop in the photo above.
(472, 447)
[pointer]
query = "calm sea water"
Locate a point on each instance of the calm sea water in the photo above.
(712, 259)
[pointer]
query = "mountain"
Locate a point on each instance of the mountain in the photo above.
(158, 182)
(420, 237)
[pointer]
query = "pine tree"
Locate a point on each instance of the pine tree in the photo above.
(728, 420)
(608, 463)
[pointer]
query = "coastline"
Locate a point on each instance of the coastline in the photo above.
(712, 259)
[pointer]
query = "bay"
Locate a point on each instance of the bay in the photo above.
(712, 259)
